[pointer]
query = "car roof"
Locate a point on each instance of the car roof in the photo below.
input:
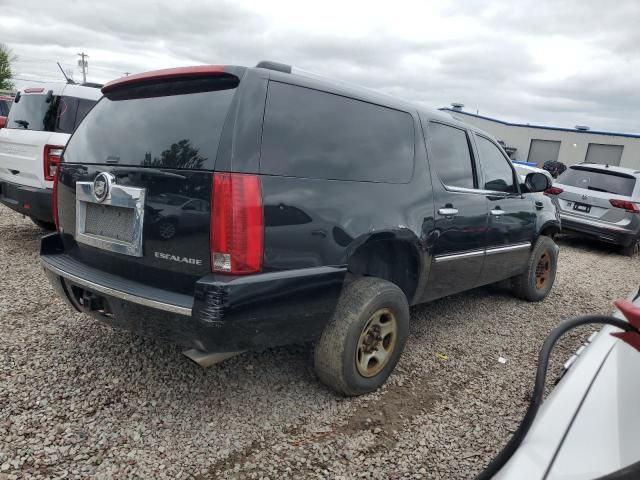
(61, 88)
(340, 87)
(608, 168)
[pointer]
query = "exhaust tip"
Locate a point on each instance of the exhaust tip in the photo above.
(207, 359)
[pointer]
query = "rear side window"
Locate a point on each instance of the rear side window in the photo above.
(598, 180)
(60, 114)
(4, 108)
(496, 169)
(171, 125)
(451, 156)
(314, 134)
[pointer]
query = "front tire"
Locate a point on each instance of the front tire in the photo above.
(535, 283)
(361, 345)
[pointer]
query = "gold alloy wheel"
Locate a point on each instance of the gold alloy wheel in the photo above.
(543, 270)
(376, 343)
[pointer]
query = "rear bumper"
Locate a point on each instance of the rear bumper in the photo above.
(599, 230)
(224, 315)
(30, 201)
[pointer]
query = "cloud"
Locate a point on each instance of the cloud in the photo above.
(557, 63)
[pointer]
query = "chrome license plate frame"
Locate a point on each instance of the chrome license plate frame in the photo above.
(118, 196)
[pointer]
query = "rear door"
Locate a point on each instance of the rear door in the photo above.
(460, 211)
(587, 193)
(156, 146)
(512, 216)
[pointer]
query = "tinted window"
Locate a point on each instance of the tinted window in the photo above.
(4, 108)
(451, 157)
(498, 174)
(84, 106)
(33, 112)
(308, 133)
(173, 130)
(60, 114)
(598, 180)
(66, 118)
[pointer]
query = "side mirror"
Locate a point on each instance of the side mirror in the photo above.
(536, 182)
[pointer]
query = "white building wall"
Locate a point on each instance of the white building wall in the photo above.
(573, 146)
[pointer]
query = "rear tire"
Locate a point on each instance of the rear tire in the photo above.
(362, 343)
(535, 283)
(631, 250)
(44, 225)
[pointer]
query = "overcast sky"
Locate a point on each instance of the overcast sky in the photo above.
(557, 63)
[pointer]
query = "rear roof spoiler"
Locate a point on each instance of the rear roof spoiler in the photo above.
(166, 74)
(277, 66)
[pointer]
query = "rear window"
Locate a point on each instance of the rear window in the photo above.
(155, 126)
(598, 180)
(42, 113)
(5, 106)
(314, 134)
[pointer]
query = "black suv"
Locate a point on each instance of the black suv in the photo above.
(227, 208)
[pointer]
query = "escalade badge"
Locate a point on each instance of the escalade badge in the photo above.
(102, 186)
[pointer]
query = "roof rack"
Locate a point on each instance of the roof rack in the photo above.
(92, 85)
(277, 66)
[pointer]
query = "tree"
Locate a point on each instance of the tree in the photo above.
(178, 155)
(6, 57)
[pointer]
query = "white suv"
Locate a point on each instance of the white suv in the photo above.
(39, 124)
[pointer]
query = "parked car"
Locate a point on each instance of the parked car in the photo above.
(588, 427)
(288, 162)
(171, 214)
(5, 106)
(38, 126)
(602, 202)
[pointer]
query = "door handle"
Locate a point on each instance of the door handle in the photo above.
(497, 212)
(448, 211)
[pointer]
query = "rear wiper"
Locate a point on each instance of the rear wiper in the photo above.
(598, 189)
(22, 123)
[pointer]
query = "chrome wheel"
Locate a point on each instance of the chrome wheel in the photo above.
(376, 343)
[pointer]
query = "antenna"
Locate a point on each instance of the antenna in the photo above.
(70, 81)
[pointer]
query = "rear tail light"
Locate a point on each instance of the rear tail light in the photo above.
(52, 154)
(626, 205)
(237, 224)
(54, 200)
(553, 191)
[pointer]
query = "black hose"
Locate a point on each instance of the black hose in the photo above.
(538, 390)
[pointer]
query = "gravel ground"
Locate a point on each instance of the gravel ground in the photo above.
(80, 399)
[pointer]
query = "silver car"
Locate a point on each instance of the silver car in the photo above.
(600, 201)
(589, 425)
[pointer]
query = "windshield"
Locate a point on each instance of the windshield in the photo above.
(167, 128)
(598, 180)
(60, 114)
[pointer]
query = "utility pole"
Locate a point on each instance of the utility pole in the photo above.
(84, 65)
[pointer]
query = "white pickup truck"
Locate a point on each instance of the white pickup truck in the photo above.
(38, 126)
